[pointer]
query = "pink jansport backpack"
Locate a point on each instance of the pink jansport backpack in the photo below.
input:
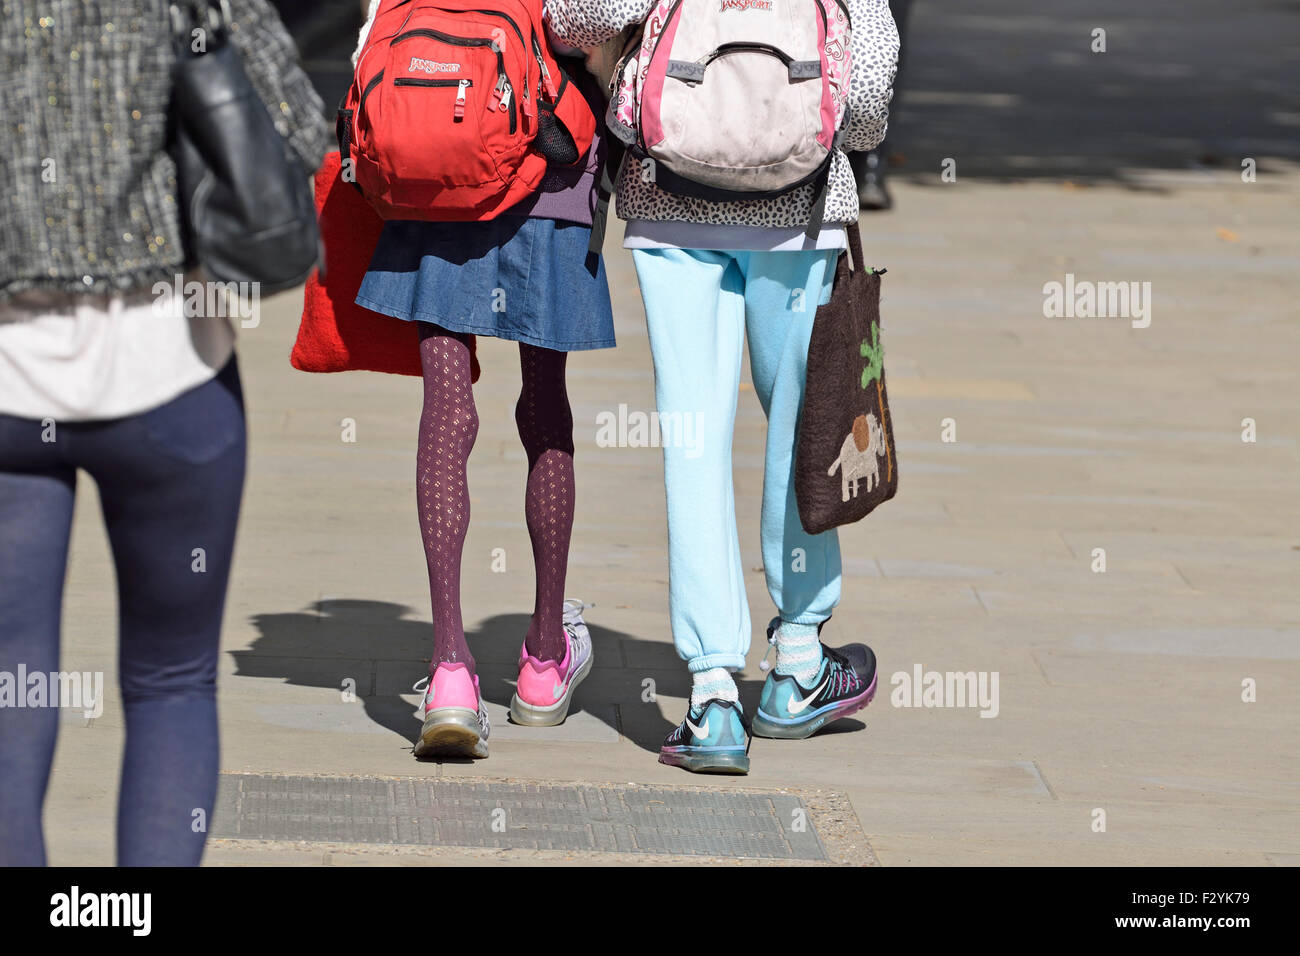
(736, 99)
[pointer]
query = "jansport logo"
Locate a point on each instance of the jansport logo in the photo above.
(432, 66)
(745, 5)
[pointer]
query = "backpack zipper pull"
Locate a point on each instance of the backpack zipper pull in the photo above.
(460, 100)
(547, 82)
(505, 96)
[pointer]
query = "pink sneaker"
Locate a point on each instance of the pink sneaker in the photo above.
(545, 688)
(455, 721)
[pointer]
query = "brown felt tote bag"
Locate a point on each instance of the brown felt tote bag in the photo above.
(845, 463)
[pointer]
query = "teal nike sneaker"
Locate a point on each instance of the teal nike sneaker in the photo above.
(845, 683)
(712, 739)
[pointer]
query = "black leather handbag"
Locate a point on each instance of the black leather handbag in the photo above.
(246, 203)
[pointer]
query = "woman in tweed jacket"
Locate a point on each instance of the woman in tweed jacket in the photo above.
(98, 373)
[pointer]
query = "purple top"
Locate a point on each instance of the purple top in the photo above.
(569, 194)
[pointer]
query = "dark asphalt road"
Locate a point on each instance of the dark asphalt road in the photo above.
(1011, 88)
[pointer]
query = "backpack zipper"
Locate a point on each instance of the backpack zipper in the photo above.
(547, 82)
(458, 111)
(503, 83)
(506, 102)
(374, 81)
(662, 30)
(564, 82)
(631, 45)
(519, 33)
(446, 38)
(668, 20)
(421, 81)
(504, 16)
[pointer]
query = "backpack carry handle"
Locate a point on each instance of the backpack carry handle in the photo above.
(692, 71)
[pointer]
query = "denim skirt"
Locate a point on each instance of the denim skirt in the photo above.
(526, 280)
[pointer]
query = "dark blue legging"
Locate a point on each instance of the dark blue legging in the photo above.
(170, 481)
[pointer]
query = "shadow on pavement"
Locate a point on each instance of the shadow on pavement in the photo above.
(314, 647)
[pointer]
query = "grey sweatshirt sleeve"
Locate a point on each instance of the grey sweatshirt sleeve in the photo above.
(271, 61)
(875, 61)
(589, 23)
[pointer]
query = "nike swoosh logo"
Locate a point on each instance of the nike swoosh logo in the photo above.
(798, 706)
(557, 691)
(699, 732)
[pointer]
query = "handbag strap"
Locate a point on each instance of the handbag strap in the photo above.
(213, 15)
(855, 246)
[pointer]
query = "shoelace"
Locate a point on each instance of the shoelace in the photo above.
(572, 615)
(763, 665)
(845, 675)
(573, 607)
(837, 656)
(571, 628)
(420, 687)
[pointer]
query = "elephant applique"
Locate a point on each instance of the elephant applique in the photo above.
(859, 456)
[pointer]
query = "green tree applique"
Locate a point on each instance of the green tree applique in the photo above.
(874, 355)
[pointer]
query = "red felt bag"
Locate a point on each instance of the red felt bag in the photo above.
(336, 334)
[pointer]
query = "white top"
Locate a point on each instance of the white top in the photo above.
(643, 234)
(76, 357)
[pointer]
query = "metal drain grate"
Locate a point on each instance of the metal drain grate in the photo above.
(430, 812)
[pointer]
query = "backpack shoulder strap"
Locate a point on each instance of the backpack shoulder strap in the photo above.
(820, 188)
(610, 171)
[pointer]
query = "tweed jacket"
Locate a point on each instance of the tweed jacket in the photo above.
(89, 189)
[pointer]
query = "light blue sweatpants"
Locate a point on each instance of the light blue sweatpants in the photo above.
(699, 305)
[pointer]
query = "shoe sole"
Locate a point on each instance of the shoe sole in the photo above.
(453, 732)
(531, 715)
(765, 726)
(728, 763)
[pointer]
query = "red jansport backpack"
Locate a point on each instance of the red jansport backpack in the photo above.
(456, 107)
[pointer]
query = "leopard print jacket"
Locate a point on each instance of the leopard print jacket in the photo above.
(589, 23)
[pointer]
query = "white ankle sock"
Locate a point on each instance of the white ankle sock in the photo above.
(712, 684)
(798, 651)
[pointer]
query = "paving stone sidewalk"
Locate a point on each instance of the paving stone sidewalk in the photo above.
(1119, 691)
